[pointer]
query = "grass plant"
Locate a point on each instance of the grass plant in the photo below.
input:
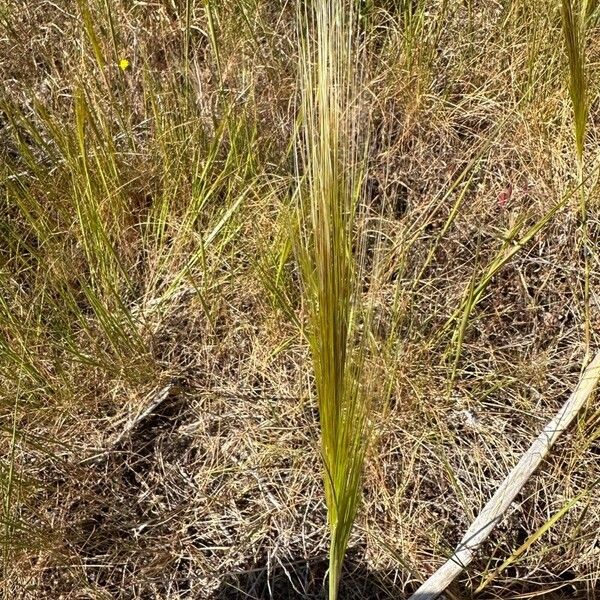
(329, 191)
(576, 15)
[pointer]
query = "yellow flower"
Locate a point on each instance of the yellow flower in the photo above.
(123, 64)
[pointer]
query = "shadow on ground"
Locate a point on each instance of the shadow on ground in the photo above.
(302, 579)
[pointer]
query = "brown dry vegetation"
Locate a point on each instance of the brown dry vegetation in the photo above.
(159, 262)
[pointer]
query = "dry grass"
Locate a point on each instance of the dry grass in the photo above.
(146, 241)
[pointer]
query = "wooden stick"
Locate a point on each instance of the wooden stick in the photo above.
(494, 510)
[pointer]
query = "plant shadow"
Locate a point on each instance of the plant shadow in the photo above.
(300, 578)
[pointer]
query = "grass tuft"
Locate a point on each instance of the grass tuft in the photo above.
(576, 16)
(328, 155)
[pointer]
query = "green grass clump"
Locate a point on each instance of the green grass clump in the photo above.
(328, 153)
(576, 17)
